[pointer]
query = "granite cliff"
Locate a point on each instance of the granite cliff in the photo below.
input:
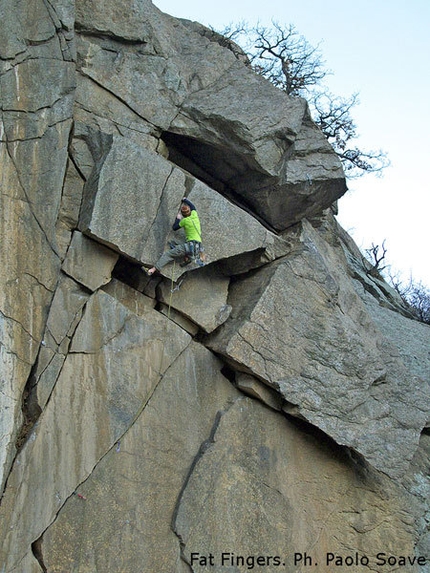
(265, 410)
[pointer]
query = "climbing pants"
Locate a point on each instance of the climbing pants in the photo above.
(178, 251)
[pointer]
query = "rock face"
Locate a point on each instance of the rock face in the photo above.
(300, 326)
(269, 410)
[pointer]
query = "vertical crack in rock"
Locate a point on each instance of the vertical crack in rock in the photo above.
(36, 548)
(159, 210)
(99, 145)
(30, 407)
(205, 446)
(64, 32)
(30, 410)
(76, 163)
(37, 545)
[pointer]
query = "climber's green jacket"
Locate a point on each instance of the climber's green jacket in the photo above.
(191, 226)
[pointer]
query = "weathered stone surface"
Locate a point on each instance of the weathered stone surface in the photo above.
(295, 324)
(271, 487)
(125, 443)
(142, 187)
(285, 172)
(256, 389)
(146, 190)
(266, 146)
(29, 268)
(22, 26)
(202, 297)
(25, 101)
(417, 482)
(179, 319)
(153, 87)
(408, 337)
(36, 87)
(132, 494)
(94, 402)
(109, 19)
(68, 215)
(66, 308)
(88, 262)
(229, 233)
(129, 297)
(64, 315)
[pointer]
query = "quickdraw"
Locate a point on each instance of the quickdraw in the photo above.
(177, 287)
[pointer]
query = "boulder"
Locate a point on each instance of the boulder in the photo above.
(267, 151)
(130, 198)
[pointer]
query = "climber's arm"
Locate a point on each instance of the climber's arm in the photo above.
(190, 205)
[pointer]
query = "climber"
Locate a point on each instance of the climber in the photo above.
(187, 219)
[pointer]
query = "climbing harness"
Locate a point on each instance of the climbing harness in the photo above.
(197, 248)
(192, 248)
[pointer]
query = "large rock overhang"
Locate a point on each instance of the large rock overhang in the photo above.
(306, 179)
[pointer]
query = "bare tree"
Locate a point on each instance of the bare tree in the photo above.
(288, 61)
(280, 54)
(419, 299)
(376, 256)
(333, 116)
(415, 295)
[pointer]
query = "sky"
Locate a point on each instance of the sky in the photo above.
(380, 50)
